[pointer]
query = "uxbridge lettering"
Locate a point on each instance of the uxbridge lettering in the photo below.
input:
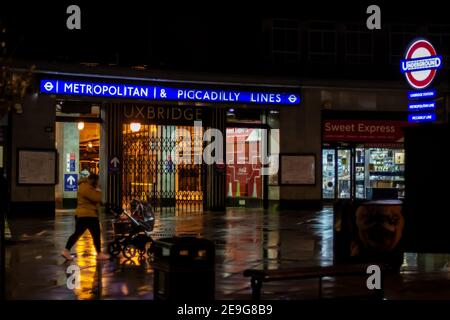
(160, 114)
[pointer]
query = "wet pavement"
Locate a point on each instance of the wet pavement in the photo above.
(244, 238)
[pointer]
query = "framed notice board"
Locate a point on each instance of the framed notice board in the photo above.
(298, 169)
(36, 166)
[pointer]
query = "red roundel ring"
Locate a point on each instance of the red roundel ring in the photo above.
(420, 84)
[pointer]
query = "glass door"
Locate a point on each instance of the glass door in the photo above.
(344, 181)
(328, 173)
(360, 188)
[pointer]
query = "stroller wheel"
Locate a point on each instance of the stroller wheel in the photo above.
(141, 252)
(150, 249)
(129, 262)
(114, 248)
(129, 251)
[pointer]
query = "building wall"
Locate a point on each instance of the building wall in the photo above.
(363, 100)
(103, 164)
(59, 143)
(68, 141)
(301, 133)
(28, 131)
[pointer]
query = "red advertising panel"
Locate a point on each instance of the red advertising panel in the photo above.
(243, 163)
(363, 130)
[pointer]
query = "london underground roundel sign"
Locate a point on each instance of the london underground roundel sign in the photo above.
(420, 63)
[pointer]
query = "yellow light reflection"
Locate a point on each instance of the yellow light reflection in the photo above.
(86, 260)
(141, 184)
(135, 261)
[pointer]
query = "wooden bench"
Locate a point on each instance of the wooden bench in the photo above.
(258, 277)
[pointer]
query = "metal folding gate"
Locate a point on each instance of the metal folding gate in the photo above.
(150, 172)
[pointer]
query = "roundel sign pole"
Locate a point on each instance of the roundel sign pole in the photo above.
(420, 66)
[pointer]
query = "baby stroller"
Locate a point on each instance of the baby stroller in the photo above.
(132, 229)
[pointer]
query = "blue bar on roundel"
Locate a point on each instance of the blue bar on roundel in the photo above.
(420, 64)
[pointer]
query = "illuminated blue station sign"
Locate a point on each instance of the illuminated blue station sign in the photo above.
(422, 117)
(420, 66)
(422, 106)
(131, 91)
(417, 95)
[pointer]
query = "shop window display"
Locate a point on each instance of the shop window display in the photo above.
(344, 174)
(328, 171)
(386, 169)
(362, 172)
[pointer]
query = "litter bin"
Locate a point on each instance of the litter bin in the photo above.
(380, 230)
(345, 230)
(368, 232)
(184, 269)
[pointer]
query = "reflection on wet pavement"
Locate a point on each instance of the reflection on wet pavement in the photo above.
(244, 238)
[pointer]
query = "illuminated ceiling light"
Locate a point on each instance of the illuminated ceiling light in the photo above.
(80, 125)
(231, 110)
(140, 67)
(90, 145)
(135, 126)
(95, 109)
(90, 64)
(18, 108)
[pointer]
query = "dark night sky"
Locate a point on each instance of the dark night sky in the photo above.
(220, 34)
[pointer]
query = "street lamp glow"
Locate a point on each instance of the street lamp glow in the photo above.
(80, 125)
(135, 126)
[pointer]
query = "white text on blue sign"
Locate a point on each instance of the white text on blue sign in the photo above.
(415, 95)
(422, 106)
(420, 64)
(423, 117)
(79, 88)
